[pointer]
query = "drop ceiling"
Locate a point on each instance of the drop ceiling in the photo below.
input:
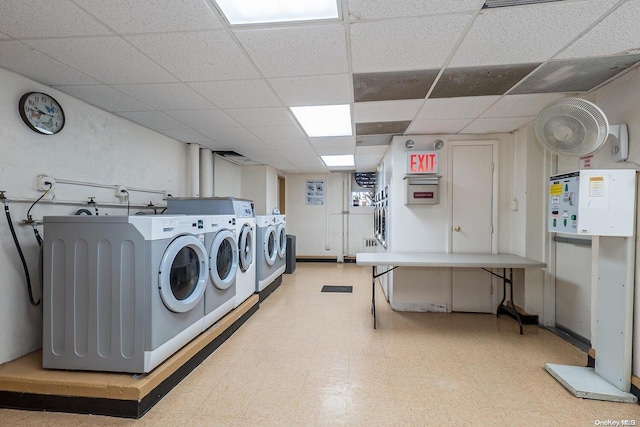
(410, 67)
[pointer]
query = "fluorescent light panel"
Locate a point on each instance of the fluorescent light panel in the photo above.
(339, 161)
(324, 120)
(240, 12)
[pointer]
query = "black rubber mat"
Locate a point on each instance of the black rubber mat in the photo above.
(339, 289)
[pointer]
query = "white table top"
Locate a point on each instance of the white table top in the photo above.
(407, 259)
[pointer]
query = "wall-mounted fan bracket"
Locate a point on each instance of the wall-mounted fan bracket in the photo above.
(619, 142)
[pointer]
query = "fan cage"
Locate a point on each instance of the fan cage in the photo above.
(588, 115)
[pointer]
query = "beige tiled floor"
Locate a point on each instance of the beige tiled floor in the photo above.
(310, 358)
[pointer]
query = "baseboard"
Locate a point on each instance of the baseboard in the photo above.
(316, 259)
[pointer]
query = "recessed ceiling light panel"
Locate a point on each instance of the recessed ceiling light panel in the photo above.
(239, 12)
(339, 161)
(324, 120)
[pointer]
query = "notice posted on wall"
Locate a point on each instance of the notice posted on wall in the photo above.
(315, 193)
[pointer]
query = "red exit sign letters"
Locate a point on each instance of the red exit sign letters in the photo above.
(422, 162)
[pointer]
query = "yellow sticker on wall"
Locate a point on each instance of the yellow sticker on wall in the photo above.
(555, 189)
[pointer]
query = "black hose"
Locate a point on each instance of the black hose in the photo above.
(24, 263)
(39, 198)
(38, 238)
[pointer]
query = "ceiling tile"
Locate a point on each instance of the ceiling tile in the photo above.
(408, 44)
(313, 90)
(144, 16)
(371, 150)
(478, 81)
(204, 118)
(496, 125)
(166, 96)
(265, 155)
(520, 105)
(36, 18)
(238, 93)
(334, 151)
(22, 59)
(522, 35)
(393, 85)
(456, 108)
(186, 135)
(373, 140)
(387, 110)
(152, 119)
(104, 97)
(367, 163)
(575, 75)
(245, 146)
(338, 142)
(618, 33)
(373, 9)
(432, 127)
(107, 59)
(4, 36)
(262, 116)
(286, 144)
(297, 51)
(203, 55)
(226, 135)
(295, 153)
(382, 128)
(270, 133)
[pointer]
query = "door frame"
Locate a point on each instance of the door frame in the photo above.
(494, 198)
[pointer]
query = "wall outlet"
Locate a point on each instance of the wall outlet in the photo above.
(44, 182)
(121, 193)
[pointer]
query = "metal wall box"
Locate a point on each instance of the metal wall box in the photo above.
(422, 190)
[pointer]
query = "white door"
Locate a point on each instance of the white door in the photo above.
(472, 212)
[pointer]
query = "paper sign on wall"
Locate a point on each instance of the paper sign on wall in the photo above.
(419, 162)
(315, 192)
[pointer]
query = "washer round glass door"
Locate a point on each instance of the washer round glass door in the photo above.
(245, 247)
(270, 245)
(183, 273)
(282, 240)
(223, 259)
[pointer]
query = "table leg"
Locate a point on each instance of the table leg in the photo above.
(373, 294)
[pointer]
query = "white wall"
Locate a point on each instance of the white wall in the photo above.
(318, 229)
(227, 178)
(260, 184)
(426, 228)
(94, 146)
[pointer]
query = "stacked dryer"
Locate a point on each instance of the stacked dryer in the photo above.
(245, 225)
(271, 242)
(121, 293)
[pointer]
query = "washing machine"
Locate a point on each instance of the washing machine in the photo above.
(222, 247)
(268, 267)
(121, 293)
(245, 233)
(281, 235)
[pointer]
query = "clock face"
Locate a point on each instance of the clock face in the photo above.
(41, 113)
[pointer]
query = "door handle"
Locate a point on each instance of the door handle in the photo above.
(457, 228)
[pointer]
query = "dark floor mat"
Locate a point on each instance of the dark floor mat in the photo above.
(340, 289)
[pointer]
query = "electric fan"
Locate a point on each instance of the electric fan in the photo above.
(575, 127)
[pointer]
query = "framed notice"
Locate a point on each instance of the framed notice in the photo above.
(314, 192)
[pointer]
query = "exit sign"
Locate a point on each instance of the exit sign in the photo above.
(422, 162)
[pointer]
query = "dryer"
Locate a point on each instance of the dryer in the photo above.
(222, 248)
(281, 235)
(245, 233)
(268, 267)
(121, 293)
